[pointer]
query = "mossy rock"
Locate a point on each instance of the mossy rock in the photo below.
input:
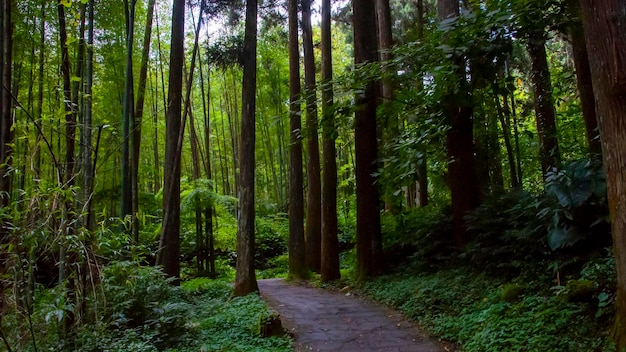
(579, 291)
(511, 292)
(271, 325)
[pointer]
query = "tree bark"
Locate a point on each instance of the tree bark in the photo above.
(313, 231)
(544, 105)
(604, 23)
(88, 169)
(584, 80)
(6, 120)
(126, 207)
(330, 243)
(463, 180)
(169, 244)
(368, 231)
(297, 247)
(135, 133)
(245, 278)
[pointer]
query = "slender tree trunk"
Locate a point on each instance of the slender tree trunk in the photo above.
(135, 133)
(6, 119)
(330, 243)
(391, 124)
(195, 146)
(506, 130)
(297, 249)
(604, 24)
(368, 231)
(245, 279)
(88, 170)
(67, 258)
(126, 208)
(544, 106)
(313, 230)
(39, 112)
(169, 244)
(421, 185)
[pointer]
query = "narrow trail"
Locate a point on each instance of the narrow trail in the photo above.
(329, 321)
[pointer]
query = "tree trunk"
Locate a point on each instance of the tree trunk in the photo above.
(506, 133)
(297, 259)
(313, 231)
(584, 80)
(421, 185)
(245, 279)
(604, 24)
(88, 170)
(368, 231)
(544, 106)
(6, 119)
(136, 122)
(169, 244)
(330, 243)
(464, 185)
(126, 208)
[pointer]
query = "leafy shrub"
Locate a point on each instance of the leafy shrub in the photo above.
(423, 233)
(143, 298)
(577, 206)
(507, 236)
(271, 239)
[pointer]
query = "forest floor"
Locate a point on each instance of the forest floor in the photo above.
(322, 320)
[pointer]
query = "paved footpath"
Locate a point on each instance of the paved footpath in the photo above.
(321, 320)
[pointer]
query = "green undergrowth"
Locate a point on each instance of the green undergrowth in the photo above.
(536, 275)
(483, 314)
(136, 308)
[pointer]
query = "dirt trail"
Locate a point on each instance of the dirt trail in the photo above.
(328, 321)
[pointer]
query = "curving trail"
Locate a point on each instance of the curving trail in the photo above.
(329, 321)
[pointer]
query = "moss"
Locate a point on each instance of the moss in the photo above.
(579, 291)
(511, 292)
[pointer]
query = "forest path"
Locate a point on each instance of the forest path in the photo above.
(321, 320)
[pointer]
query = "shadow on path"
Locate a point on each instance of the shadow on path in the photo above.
(328, 321)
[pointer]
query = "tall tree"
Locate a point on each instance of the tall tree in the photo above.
(87, 123)
(245, 279)
(604, 24)
(330, 243)
(544, 104)
(313, 231)
(6, 120)
(583, 77)
(458, 111)
(169, 243)
(129, 115)
(368, 231)
(297, 247)
(135, 131)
